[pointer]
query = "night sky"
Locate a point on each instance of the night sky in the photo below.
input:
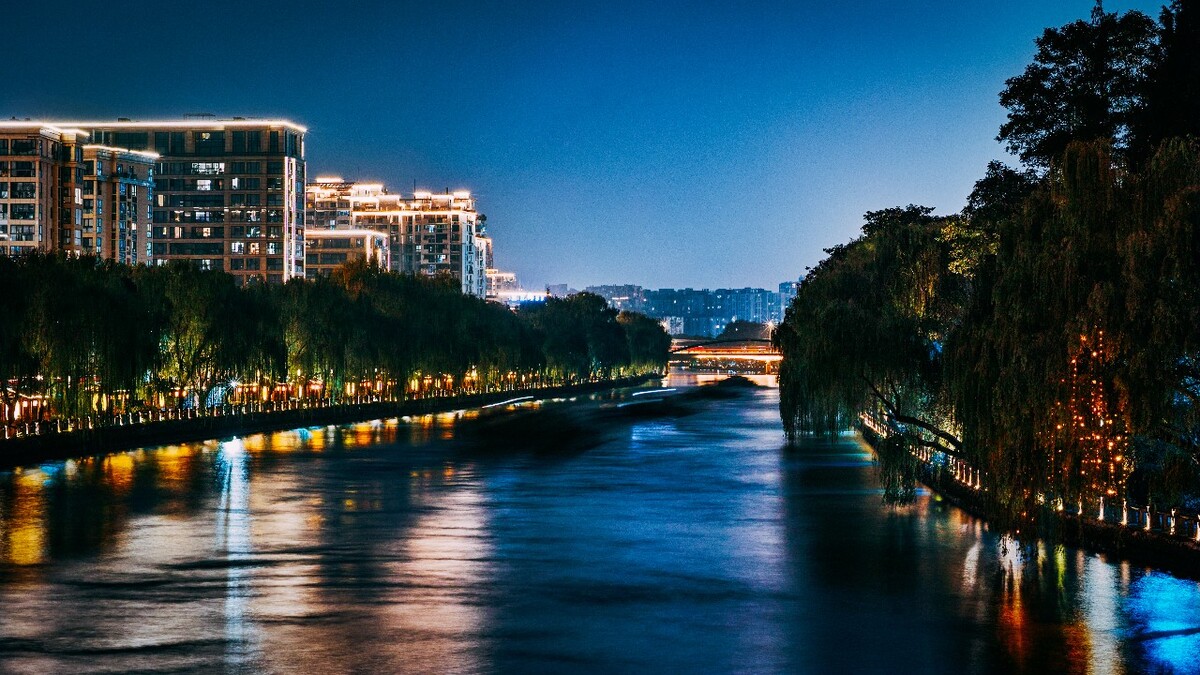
(665, 143)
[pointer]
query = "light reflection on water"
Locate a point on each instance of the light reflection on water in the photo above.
(692, 543)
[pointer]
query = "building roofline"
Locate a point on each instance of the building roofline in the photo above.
(109, 148)
(40, 125)
(342, 233)
(203, 123)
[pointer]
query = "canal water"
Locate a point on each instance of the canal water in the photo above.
(679, 543)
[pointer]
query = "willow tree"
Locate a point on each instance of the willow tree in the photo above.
(18, 366)
(580, 336)
(1160, 272)
(86, 327)
(649, 343)
(207, 333)
(866, 333)
(1038, 367)
(1170, 99)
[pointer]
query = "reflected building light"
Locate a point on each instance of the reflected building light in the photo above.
(446, 568)
(118, 471)
(233, 537)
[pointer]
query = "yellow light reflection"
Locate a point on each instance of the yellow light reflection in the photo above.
(27, 522)
(118, 471)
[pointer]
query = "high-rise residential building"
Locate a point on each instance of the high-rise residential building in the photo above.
(228, 193)
(41, 195)
(326, 250)
(327, 203)
(430, 234)
(708, 312)
(60, 193)
(787, 293)
(756, 305)
(118, 207)
(625, 297)
(690, 306)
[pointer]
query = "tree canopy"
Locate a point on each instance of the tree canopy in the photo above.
(1085, 83)
(94, 336)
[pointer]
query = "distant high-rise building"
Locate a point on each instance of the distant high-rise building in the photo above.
(707, 312)
(228, 193)
(430, 234)
(499, 282)
(625, 297)
(327, 204)
(787, 293)
(756, 305)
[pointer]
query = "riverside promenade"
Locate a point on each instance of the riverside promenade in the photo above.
(55, 440)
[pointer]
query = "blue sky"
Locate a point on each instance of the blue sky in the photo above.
(668, 144)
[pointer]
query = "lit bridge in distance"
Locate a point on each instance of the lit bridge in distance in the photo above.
(722, 354)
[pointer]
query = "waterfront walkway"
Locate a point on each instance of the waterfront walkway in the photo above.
(63, 438)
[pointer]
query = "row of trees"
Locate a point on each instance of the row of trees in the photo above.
(88, 336)
(1049, 333)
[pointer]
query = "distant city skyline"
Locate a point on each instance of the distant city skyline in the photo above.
(671, 145)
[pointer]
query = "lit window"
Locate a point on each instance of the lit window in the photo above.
(208, 168)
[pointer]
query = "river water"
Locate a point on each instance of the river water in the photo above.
(692, 543)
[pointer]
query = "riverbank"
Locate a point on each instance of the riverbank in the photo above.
(1153, 540)
(26, 450)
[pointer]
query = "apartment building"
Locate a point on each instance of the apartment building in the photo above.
(326, 250)
(327, 203)
(227, 193)
(118, 203)
(41, 197)
(429, 233)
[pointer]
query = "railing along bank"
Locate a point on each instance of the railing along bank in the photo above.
(151, 416)
(1170, 523)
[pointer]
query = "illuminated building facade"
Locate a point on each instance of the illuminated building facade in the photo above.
(118, 203)
(498, 281)
(326, 250)
(429, 234)
(787, 293)
(41, 196)
(327, 203)
(227, 194)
